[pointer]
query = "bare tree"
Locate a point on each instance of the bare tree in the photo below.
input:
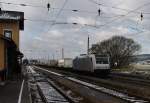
(119, 48)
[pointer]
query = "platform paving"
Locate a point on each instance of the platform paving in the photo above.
(9, 93)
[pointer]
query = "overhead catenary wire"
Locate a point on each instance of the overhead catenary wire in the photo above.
(58, 14)
(61, 9)
(77, 10)
(27, 5)
(124, 15)
(120, 16)
(114, 7)
(100, 25)
(61, 22)
(55, 8)
(74, 10)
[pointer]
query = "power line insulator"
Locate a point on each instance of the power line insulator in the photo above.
(48, 6)
(141, 16)
(99, 12)
(74, 23)
(75, 10)
(23, 4)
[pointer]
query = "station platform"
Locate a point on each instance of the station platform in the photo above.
(14, 92)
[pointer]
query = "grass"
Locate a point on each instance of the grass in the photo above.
(123, 69)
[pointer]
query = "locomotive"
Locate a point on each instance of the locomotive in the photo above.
(92, 63)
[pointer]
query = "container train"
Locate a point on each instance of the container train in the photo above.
(66, 63)
(84, 63)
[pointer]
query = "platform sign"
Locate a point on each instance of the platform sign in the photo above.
(11, 15)
(7, 16)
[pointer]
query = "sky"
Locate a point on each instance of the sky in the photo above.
(47, 32)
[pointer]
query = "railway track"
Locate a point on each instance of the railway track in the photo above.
(110, 94)
(115, 77)
(130, 79)
(119, 77)
(43, 90)
(137, 76)
(133, 79)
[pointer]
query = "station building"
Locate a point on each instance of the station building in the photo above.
(11, 22)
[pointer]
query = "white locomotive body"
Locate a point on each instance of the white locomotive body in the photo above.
(92, 63)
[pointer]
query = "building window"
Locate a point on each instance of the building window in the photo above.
(8, 34)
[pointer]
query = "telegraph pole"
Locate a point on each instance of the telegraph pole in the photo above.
(62, 53)
(88, 44)
(53, 56)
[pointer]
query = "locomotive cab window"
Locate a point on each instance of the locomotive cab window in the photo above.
(102, 60)
(8, 34)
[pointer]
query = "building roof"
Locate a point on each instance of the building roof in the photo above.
(13, 16)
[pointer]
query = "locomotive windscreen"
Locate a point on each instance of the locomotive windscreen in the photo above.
(102, 60)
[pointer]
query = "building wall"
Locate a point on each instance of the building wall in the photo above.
(1, 55)
(14, 27)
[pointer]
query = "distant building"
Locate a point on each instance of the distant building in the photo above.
(11, 22)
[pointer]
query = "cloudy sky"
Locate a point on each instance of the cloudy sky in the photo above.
(47, 32)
